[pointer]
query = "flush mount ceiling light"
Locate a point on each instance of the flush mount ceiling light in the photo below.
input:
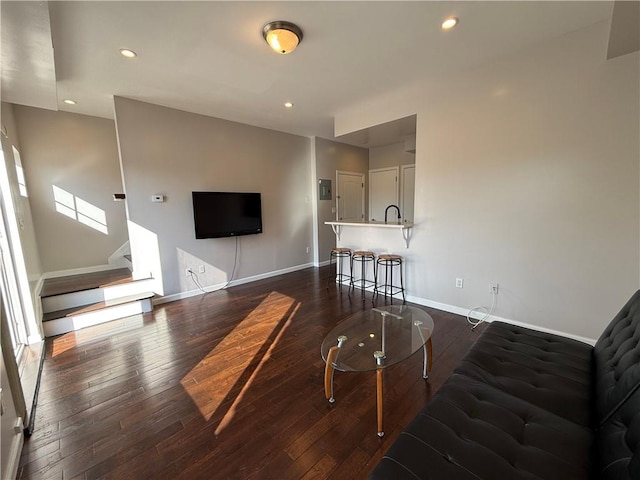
(282, 36)
(68, 101)
(125, 52)
(288, 105)
(449, 23)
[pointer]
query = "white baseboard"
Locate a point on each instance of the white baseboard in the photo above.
(321, 264)
(211, 288)
(478, 315)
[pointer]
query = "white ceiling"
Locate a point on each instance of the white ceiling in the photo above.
(209, 57)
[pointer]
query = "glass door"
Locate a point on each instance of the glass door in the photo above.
(11, 299)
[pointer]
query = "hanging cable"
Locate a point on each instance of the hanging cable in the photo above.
(233, 273)
(488, 313)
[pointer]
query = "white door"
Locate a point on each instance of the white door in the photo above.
(350, 197)
(383, 191)
(408, 189)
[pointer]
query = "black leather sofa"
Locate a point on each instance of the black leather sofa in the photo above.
(530, 405)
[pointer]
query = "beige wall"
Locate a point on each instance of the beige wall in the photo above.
(171, 152)
(78, 154)
(330, 157)
(390, 156)
(527, 174)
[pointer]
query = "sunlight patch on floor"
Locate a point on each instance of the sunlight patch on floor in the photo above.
(225, 374)
(67, 341)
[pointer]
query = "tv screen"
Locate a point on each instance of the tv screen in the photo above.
(226, 214)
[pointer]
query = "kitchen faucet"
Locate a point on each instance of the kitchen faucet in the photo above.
(387, 209)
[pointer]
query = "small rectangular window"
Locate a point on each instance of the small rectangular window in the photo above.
(22, 183)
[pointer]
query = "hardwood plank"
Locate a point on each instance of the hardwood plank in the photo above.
(225, 385)
(84, 281)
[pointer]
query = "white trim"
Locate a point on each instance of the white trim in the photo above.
(37, 302)
(116, 257)
(403, 183)
(95, 295)
(211, 288)
(33, 339)
(321, 264)
(73, 323)
(38, 287)
(478, 315)
(79, 271)
(14, 454)
(314, 202)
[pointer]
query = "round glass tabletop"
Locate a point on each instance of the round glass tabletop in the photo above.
(398, 331)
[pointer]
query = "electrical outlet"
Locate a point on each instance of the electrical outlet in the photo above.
(201, 268)
(459, 282)
(187, 272)
(308, 249)
(494, 288)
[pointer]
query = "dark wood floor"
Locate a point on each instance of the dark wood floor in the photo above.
(224, 385)
(84, 281)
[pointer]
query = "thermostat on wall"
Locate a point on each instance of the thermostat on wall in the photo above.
(157, 198)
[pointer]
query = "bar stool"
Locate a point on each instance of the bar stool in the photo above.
(340, 254)
(363, 257)
(388, 262)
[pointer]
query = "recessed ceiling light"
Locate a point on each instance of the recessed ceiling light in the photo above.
(288, 104)
(125, 52)
(69, 101)
(449, 23)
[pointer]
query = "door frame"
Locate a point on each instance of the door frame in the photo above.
(362, 204)
(403, 181)
(396, 170)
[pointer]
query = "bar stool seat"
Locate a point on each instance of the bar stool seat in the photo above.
(363, 257)
(388, 262)
(340, 254)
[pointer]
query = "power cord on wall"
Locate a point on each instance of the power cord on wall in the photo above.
(194, 277)
(488, 313)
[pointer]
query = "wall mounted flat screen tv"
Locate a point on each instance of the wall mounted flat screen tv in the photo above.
(226, 214)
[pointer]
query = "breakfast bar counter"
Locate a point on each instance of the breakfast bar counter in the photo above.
(405, 228)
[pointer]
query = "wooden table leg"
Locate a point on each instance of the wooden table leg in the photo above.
(328, 373)
(379, 400)
(332, 358)
(379, 356)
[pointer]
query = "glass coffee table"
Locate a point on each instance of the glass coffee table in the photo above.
(375, 339)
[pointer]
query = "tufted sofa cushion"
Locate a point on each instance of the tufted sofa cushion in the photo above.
(476, 428)
(530, 405)
(619, 442)
(617, 360)
(552, 372)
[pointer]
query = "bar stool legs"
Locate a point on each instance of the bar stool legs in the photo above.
(340, 254)
(388, 262)
(363, 257)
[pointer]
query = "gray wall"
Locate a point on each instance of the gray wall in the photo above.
(390, 156)
(527, 174)
(78, 154)
(171, 152)
(331, 156)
